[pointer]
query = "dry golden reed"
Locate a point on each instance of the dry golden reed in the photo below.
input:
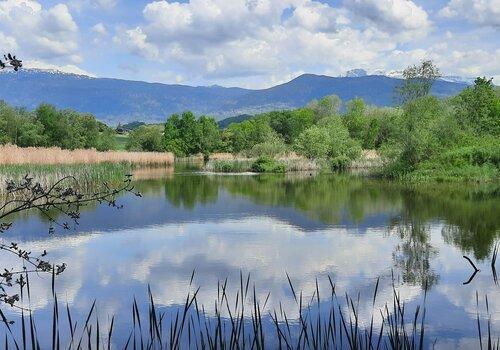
(10, 155)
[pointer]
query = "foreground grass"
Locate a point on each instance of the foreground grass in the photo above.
(238, 321)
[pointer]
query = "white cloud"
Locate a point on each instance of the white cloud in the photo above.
(41, 32)
(136, 41)
(218, 40)
(7, 42)
(316, 16)
(483, 12)
(391, 15)
(100, 29)
(261, 42)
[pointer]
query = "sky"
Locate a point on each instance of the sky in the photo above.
(251, 43)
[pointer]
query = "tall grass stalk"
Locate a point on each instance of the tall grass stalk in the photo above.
(239, 321)
(10, 154)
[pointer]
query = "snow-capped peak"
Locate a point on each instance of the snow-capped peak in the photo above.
(398, 74)
(46, 71)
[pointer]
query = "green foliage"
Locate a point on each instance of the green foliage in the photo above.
(355, 118)
(272, 147)
(478, 107)
(146, 138)
(185, 135)
(48, 126)
(229, 166)
(447, 139)
(210, 136)
(289, 124)
(313, 143)
(329, 139)
(418, 81)
(328, 106)
(245, 135)
(268, 165)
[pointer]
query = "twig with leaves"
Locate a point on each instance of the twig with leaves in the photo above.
(62, 197)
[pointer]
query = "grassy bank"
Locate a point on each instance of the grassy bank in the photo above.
(14, 155)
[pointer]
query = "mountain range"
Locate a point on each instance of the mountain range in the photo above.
(119, 101)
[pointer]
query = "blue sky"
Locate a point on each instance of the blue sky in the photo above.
(251, 43)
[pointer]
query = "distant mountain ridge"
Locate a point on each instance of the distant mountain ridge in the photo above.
(120, 101)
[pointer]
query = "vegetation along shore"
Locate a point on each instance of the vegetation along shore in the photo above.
(422, 138)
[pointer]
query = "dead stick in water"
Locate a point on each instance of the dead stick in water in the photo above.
(470, 261)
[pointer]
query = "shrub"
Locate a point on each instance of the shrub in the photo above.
(268, 165)
(270, 148)
(339, 163)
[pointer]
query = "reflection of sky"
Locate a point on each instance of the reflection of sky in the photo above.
(152, 242)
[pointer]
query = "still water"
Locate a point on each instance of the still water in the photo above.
(354, 230)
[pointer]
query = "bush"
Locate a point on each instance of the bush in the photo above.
(268, 165)
(339, 163)
(228, 166)
(270, 148)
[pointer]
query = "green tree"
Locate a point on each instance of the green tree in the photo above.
(327, 106)
(210, 135)
(313, 143)
(146, 138)
(289, 124)
(355, 119)
(478, 107)
(55, 125)
(418, 81)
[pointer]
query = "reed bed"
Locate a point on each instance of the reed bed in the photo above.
(239, 321)
(14, 155)
(84, 177)
(369, 159)
(229, 163)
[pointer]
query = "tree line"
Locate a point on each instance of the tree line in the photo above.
(423, 134)
(455, 136)
(48, 126)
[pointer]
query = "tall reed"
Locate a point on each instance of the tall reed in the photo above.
(10, 154)
(239, 321)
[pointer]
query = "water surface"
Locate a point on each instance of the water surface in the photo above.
(354, 230)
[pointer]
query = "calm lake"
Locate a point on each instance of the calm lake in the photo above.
(353, 229)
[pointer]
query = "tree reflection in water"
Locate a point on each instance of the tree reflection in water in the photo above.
(468, 213)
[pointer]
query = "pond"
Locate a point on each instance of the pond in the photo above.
(355, 233)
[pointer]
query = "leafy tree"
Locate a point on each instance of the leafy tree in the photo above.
(478, 107)
(328, 106)
(185, 135)
(313, 143)
(341, 145)
(418, 81)
(417, 138)
(210, 135)
(355, 119)
(272, 147)
(10, 124)
(249, 133)
(289, 124)
(172, 139)
(55, 125)
(146, 138)
(190, 133)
